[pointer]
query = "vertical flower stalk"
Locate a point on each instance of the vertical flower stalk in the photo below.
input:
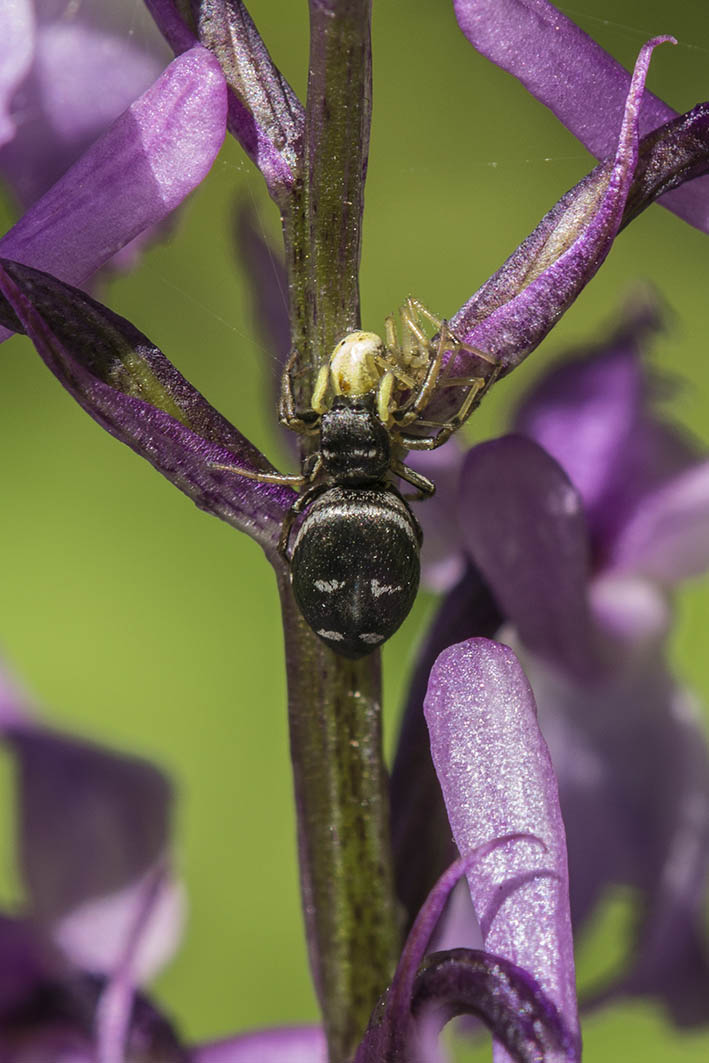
(324, 225)
(334, 703)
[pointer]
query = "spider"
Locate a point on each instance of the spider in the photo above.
(354, 563)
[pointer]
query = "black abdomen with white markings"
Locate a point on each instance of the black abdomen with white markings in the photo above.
(355, 566)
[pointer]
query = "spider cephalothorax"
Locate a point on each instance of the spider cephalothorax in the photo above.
(354, 562)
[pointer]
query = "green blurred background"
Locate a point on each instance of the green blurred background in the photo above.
(145, 624)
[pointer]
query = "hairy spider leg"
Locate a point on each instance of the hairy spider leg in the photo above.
(424, 487)
(283, 478)
(478, 386)
(447, 381)
(262, 477)
(417, 307)
(413, 338)
(412, 411)
(287, 413)
(390, 337)
(413, 352)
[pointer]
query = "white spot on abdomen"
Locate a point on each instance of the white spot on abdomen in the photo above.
(328, 586)
(384, 588)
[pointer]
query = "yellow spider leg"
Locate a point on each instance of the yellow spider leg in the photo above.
(262, 477)
(322, 382)
(390, 332)
(418, 306)
(384, 397)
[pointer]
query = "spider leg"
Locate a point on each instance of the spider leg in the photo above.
(471, 400)
(384, 397)
(390, 333)
(469, 349)
(287, 413)
(404, 321)
(410, 327)
(313, 465)
(413, 409)
(285, 479)
(424, 487)
(390, 365)
(286, 406)
(416, 306)
(298, 506)
(322, 383)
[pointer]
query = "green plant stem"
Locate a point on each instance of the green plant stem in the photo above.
(343, 828)
(341, 785)
(323, 224)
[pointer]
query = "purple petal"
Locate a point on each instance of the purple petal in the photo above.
(93, 828)
(56, 1024)
(97, 933)
(465, 982)
(26, 961)
(171, 24)
(141, 169)
(667, 538)
(671, 957)
(420, 831)
(509, 1002)
(115, 1005)
(17, 30)
(524, 527)
(623, 455)
(672, 156)
(655, 455)
(567, 71)
(496, 776)
(442, 555)
(267, 284)
(129, 387)
(513, 311)
(93, 824)
(594, 399)
(268, 122)
(60, 111)
(297, 1044)
(632, 613)
(633, 771)
(227, 29)
(589, 728)
(74, 794)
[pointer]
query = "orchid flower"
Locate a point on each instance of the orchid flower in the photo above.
(491, 762)
(582, 574)
(97, 141)
(102, 911)
(51, 100)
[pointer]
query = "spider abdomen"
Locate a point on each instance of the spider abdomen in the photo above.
(355, 566)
